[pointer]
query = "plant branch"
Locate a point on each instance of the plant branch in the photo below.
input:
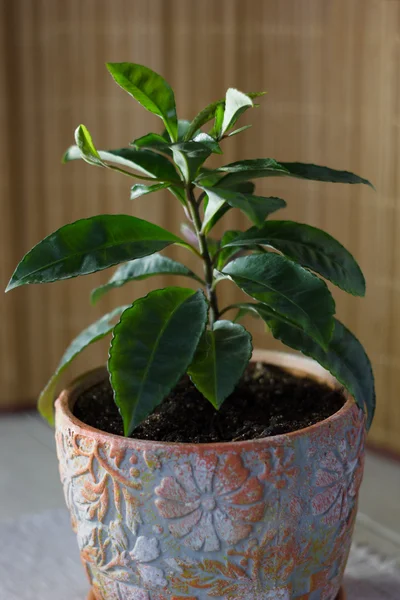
(205, 254)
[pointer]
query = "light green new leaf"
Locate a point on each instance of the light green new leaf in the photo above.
(256, 208)
(140, 189)
(152, 346)
(287, 288)
(90, 245)
(96, 331)
(142, 268)
(236, 103)
(219, 117)
(236, 131)
(148, 163)
(312, 248)
(86, 147)
(220, 359)
(209, 112)
(245, 170)
(150, 90)
(345, 357)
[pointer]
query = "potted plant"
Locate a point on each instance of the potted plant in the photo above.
(193, 473)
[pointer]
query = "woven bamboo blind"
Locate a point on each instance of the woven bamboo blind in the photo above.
(332, 71)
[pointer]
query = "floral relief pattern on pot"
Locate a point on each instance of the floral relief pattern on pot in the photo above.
(268, 519)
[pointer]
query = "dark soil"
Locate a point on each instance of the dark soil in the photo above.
(267, 401)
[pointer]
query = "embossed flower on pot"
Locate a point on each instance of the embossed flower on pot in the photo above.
(339, 476)
(146, 550)
(280, 468)
(210, 501)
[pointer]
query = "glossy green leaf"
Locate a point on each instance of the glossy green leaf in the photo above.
(256, 208)
(152, 346)
(189, 156)
(345, 357)
(208, 141)
(140, 189)
(91, 334)
(86, 146)
(318, 173)
(153, 141)
(249, 169)
(179, 193)
(220, 359)
(236, 103)
(150, 90)
(312, 248)
(150, 164)
(246, 187)
(209, 112)
(142, 268)
(227, 252)
(287, 288)
(183, 126)
(90, 245)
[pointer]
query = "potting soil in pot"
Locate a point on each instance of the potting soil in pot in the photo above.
(267, 401)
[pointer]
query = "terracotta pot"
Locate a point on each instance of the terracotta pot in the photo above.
(267, 519)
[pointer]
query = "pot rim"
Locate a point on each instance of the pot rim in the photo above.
(297, 364)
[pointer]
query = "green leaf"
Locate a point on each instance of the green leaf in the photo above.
(226, 251)
(209, 112)
(140, 189)
(150, 90)
(248, 169)
(209, 142)
(153, 141)
(90, 245)
(287, 288)
(183, 126)
(202, 118)
(317, 173)
(142, 268)
(219, 117)
(235, 104)
(91, 334)
(345, 358)
(312, 248)
(189, 156)
(246, 187)
(256, 208)
(236, 131)
(179, 193)
(220, 359)
(152, 346)
(151, 164)
(86, 146)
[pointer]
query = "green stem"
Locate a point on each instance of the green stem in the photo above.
(205, 255)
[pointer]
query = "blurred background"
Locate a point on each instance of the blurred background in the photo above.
(331, 70)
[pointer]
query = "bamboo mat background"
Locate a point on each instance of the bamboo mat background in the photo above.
(332, 73)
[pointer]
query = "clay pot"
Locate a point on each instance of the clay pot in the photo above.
(267, 519)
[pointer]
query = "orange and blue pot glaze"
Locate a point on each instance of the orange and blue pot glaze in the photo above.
(267, 519)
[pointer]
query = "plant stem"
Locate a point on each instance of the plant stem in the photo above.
(205, 255)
